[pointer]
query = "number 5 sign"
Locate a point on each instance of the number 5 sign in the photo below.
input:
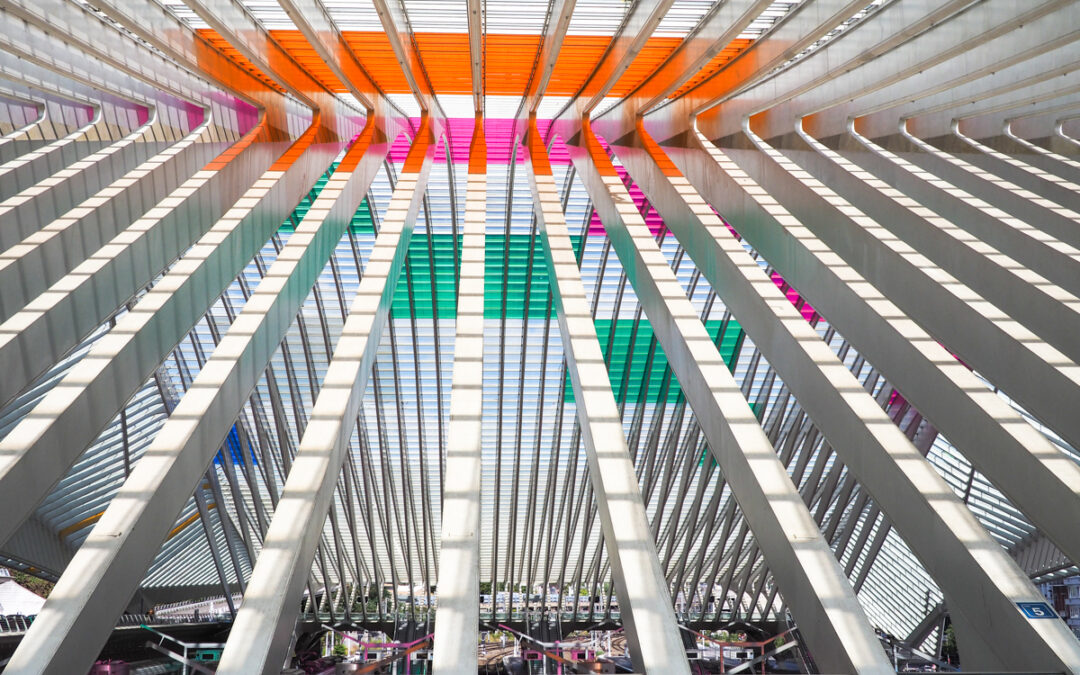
(1036, 610)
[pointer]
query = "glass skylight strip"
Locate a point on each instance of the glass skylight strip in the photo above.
(835, 33)
(358, 15)
(437, 16)
(598, 17)
(682, 17)
(269, 13)
(184, 13)
(897, 592)
(520, 17)
(769, 18)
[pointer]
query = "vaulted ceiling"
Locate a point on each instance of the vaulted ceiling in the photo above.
(925, 147)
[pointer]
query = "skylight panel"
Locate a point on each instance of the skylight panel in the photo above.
(437, 16)
(501, 106)
(682, 17)
(349, 99)
(407, 103)
(769, 18)
(456, 105)
(515, 17)
(184, 13)
(270, 14)
(598, 17)
(353, 15)
(836, 32)
(551, 106)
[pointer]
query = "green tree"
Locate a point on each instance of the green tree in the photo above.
(948, 646)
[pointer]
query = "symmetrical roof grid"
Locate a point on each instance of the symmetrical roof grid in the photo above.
(797, 319)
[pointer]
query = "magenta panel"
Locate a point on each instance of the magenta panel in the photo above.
(793, 296)
(498, 136)
(400, 148)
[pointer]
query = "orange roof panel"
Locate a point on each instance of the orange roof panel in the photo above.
(222, 45)
(577, 58)
(301, 51)
(446, 61)
(715, 64)
(372, 50)
(509, 63)
(650, 57)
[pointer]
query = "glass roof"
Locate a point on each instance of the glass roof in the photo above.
(535, 487)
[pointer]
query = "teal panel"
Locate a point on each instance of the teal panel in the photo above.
(638, 387)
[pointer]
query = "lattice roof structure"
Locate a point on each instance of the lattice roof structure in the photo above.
(715, 311)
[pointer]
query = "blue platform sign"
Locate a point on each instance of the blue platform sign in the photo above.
(1036, 610)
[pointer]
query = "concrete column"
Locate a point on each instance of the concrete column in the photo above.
(94, 589)
(35, 454)
(644, 598)
(991, 434)
(42, 331)
(1033, 284)
(36, 254)
(263, 629)
(812, 582)
(983, 583)
(1038, 376)
(458, 616)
